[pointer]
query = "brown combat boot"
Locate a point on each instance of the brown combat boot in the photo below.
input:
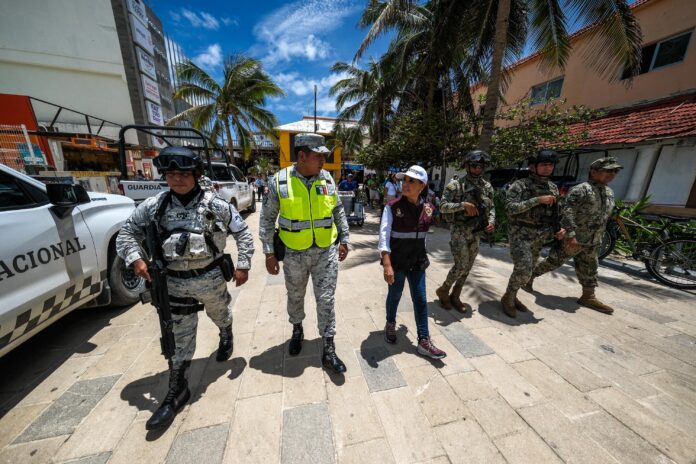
(508, 302)
(443, 295)
(520, 306)
(529, 286)
(454, 299)
(589, 300)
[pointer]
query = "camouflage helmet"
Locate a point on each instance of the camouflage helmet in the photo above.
(477, 156)
(543, 156)
(607, 163)
(179, 159)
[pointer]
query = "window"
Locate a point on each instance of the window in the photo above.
(15, 194)
(547, 91)
(221, 173)
(659, 54)
(237, 173)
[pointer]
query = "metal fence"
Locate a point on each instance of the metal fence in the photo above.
(19, 150)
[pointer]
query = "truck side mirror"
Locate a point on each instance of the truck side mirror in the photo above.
(64, 197)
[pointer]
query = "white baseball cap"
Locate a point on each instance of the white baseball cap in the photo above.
(414, 172)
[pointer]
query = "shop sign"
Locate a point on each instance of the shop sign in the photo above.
(151, 89)
(141, 35)
(137, 8)
(158, 142)
(154, 113)
(146, 63)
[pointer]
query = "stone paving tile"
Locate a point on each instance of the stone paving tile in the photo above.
(100, 458)
(496, 417)
(678, 387)
(307, 435)
(437, 399)
(205, 445)
(18, 419)
(58, 381)
(503, 345)
(255, 432)
(303, 382)
(466, 342)
(668, 439)
(564, 437)
(379, 369)
(466, 442)
(659, 358)
(149, 447)
(616, 353)
(353, 414)
(117, 359)
(471, 386)
(564, 396)
(620, 441)
(67, 411)
(645, 312)
(678, 414)
(526, 447)
(38, 452)
(369, 451)
(582, 378)
(509, 384)
(682, 326)
(410, 437)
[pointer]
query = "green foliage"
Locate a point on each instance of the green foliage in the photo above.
(501, 219)
(420, 136)
(538, 126)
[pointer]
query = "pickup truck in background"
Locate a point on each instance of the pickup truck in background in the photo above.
(57, 254)
(228, 181)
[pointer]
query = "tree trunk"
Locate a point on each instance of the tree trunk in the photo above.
(228, 133)
(501, 30)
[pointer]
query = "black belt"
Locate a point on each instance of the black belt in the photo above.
(184, 306)
(194, 272)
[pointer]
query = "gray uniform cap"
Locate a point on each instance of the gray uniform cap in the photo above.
(606, 163)
(314, 142)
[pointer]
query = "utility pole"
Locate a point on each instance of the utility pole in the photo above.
(316, 127)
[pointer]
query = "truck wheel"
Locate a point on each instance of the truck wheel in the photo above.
(126, 287)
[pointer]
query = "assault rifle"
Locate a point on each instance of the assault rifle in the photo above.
(482, 218)
(159, 293)
(554, 219)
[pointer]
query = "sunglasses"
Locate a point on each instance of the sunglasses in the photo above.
(476, 165)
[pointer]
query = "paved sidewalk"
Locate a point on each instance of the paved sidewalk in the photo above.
(561, 384)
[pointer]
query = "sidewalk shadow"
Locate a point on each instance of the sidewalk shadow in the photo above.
(444, 317)
(374, 349)
(563, 303)
(147, 393)
(271, 360)
(492, 310)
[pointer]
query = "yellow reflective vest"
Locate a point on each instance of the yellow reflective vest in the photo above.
(306, 217)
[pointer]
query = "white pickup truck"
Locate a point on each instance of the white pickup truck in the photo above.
(57, 254)
(228, 182)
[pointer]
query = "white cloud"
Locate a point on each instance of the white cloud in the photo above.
(293, 83)
(211, 58)
(295, 29)
(230, 21)
(201, 19)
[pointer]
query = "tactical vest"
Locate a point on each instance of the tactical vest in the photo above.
(306, 216)
(460, 218)
(195, 236)
(409, 229)
(540, 215)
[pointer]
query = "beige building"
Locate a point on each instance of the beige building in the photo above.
(655, 112)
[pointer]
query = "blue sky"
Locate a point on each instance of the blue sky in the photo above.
(296, 41)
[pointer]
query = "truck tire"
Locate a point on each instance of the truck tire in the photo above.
(126, 287)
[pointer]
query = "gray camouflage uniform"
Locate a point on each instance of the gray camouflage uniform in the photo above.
(526, 231)
(298, 265)
(210, 288)
(464, 243)
(585, 214)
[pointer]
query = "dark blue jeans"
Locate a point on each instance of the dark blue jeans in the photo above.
(416, 282)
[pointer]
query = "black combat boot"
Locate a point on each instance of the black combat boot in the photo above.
(296, 340)
(225, 347)
(177, 396)
(329, 358)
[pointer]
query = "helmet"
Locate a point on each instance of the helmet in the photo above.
(543, 156)
(477, 156)
(178, 158)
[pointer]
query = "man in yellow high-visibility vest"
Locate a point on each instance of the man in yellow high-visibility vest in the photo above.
(312, 226)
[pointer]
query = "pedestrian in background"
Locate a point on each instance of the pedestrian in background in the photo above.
(402, 232)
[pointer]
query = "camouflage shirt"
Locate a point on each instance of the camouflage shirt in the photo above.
(521, 203)
(456, 194)
(586, 211)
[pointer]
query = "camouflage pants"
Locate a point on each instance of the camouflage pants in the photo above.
(209, 289)
(464, 246)
(525, 245)
(584, 257)
(322, 265)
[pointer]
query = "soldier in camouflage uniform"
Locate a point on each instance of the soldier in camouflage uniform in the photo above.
(528, 205)
(585, 214)
(458, 201)
(314, 230)
(193, 225)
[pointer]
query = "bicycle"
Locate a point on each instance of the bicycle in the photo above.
(670, 258)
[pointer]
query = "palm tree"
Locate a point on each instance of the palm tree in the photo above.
(616, 41)
(235, 105)
(349, 138)
(366, 95)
